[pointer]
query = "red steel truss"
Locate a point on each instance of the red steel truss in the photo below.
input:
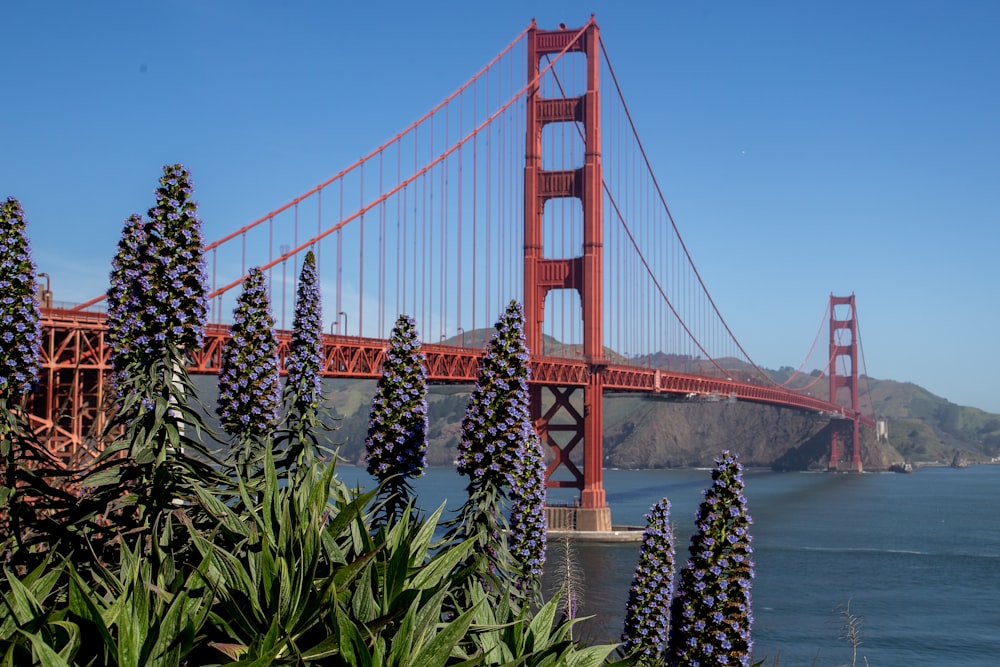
(68, 404)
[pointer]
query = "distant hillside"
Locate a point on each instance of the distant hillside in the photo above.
(647, 431)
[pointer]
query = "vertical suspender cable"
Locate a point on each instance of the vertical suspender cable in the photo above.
(381, 252)
(475, 209)
(340, 262)
(458, 243)
(361, 257)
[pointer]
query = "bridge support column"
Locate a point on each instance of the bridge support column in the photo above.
(584, 273)
(844, 357)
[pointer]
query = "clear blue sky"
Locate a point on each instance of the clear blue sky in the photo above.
(804, 148)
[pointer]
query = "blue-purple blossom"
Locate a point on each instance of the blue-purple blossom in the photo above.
(303, 362)
(527, 511)
(493, 427)
(397, 430)
(157, 296)
(712, 613)
(249, 391)
(20, 330)
(647, 616)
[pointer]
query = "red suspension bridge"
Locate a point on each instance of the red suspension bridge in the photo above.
(530, 182)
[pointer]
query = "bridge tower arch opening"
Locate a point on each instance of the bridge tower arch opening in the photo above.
(557, 408)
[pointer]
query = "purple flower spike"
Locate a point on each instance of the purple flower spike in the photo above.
(527, 512)
(647, 616)
(158, 286)
(397, 433)
(249, 391)
(20, 330)
(712, 613)
(304, 354)
(498, 408)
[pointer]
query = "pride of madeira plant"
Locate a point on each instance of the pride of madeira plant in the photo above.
(249, 391)
(156, 317)
(20, 333)
(396, 445)
(26, 494)
(712, 617)
(647, 616)
(298, 436)
(499, 453)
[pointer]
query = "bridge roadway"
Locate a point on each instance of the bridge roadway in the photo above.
(75, 340)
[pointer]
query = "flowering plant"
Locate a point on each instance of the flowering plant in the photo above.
(396, 445)
(304, 352)
(493, 427)
(647, 616)
(249, 392)
(20, 331)
(157, 296)
(527, 511)
(712, 617)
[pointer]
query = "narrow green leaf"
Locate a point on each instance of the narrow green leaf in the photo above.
(47, 657)
(420, 543)
(25, 608)
(541, 625)
(439, 648)
(363, 602)
(404, 640)
(326, 648)
(81, 603)
(443, 565)
(592, 656)
(352, 646)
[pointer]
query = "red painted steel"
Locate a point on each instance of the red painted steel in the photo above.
(68, 406)
(584, 273)
(847, 353)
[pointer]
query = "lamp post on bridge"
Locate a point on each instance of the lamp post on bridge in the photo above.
(344, 330)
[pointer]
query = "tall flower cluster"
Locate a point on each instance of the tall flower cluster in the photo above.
(712, 617)
(249, 392)
(647, 616)
(125, 336)
(303, 362)
(20, 331)
(157, 296)
(527, 511)
(175, 235)
(397, 429)
(493, 426)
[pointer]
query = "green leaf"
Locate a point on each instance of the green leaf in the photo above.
(363, 602)
(591, 656)
(443, 565)
(25, 607)
(403, 642)
(352, 646)
(46, 655)
(81, 603)
(326, 648)
(541, 625)
(440, 647)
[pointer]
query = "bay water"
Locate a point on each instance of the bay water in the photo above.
(916, 557)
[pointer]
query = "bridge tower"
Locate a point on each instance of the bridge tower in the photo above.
(563, 426)
(844, 348)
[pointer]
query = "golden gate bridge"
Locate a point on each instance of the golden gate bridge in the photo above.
(529, 182)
